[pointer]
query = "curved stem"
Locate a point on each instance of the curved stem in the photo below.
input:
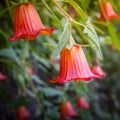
(66, 14)
(9, 10)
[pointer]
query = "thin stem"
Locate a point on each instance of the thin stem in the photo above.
(9, 10)
(66, 14)
(23, 1)
(77, 23)
(98, 29)
(36, 96)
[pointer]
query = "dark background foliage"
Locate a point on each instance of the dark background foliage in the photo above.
(33, 91)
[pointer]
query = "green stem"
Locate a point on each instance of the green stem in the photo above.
(9, 10)
(66, 14)
(24, 1)
(71, 40)
(36, 96)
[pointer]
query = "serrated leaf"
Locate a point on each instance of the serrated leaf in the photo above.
(114, 37)
(89, 29)
(78, 9)
(62, 41)
(10, 53)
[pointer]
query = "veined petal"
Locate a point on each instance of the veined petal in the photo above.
(27, 23)
(74, 66)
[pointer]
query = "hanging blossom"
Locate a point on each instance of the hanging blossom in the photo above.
(66, 110)
(96, 69)
(22, 113)
(27, 23)
(108, 11)
(2, 77)
(73, 66)
(82, 103)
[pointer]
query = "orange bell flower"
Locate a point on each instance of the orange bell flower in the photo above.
(73, 66)
(96, 69)
(27, 23)
(66, 110)
(2, 77)
(22, 113)
(82, 103)
(108, 11)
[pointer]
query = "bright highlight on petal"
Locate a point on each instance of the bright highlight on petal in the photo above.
(73, 66)
(27, 23)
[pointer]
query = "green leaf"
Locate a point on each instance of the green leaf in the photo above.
(113, 35)
(62, 40)
(3, 34)
(89, 29)
(41, 60)
(10, 53)
(85, 3)
(49, 91)
(78, 9)
(38, 80)
(38, 112)
(30, 93)
(56, 18)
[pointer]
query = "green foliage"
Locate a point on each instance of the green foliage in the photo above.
(64, 36)
(78, 9)
(32, 89)
(113, 35)
(94, 38)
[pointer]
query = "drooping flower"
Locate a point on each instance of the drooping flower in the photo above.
(66, 110)
(30, 71)
(96, 69)
(108, 11)
(22, 113)
(27, 23)
(2, 77)
(73, 65)
(82, 103)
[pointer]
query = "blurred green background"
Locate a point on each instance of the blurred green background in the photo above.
(41, 98)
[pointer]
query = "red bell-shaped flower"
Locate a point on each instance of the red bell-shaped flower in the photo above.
(108, 11)
(73, 65)
(22, 113)
(66, 110)
(96, 69)
(82, 103)
(27, 23)
(2, 77)
(30, 71)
